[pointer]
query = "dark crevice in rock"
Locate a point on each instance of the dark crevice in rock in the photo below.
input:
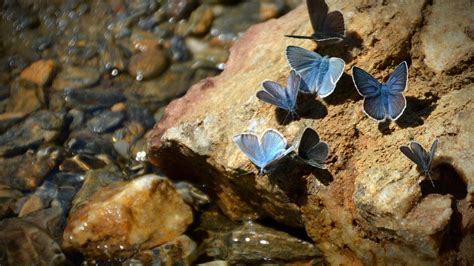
(297, 232)
(454, 234)
(446, 180)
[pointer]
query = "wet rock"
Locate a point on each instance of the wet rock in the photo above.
(41, 127)
(83, 162)
(106, 121)
(201, 20)
(40, 72)
(179, 49)
(90, 100)
(95, 180)
(8, 120)
(138, 151)
(147, 64)
(42, 43)
(4, 92)
(444, 41)
(51, 220)
(179, 9)
(71, 77)
(143, 41)
(194, 140)
(104, 227)
(38, 200)
(137, 113)
(182, 250)
(234, 21)
(255, 243)
(8, 198)
(86, 142)
(25, 98)
(203, 51)
(76, 117)
(173, 83)
(192, 195)
(113, 58)
(125, 137)
(24, 243)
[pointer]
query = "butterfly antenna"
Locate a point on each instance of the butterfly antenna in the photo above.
(429, 175)
(284, 120)
(299, 37)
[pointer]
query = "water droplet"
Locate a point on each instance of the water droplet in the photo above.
(114, 72)
(264, 242)
(247, 239)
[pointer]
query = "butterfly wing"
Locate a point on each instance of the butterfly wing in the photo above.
(396, 84)
(365, 84)
(306, 63)
(249, 145)
(334, 23)
(294, 81)
(409, 153)
(318, 10)
(332, 76)
(396, 104)
(311, 150)
(273, 146)
(273, 93)
(369, 88)
(421, 154)
(434, 146)
(397, 81)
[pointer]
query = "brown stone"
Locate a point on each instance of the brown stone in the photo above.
(117, 220)
(147, 64)
(370, 206)
(40, 72)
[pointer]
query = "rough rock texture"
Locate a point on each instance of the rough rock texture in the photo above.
(372, 205)
(120, 219)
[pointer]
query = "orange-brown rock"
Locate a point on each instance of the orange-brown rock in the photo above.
(125, 217)
(372, 205)
(40, 72)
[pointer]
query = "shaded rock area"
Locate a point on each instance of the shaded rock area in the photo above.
(372, 205)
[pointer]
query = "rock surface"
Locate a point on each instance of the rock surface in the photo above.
(372, 206)
(23, 243)
(40, 72)
(125, 217)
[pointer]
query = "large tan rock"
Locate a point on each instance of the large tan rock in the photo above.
(117, 220)
(372, 205)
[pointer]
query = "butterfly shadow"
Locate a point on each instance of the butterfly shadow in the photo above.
(287, 176)
(446, 180)
(342, 49)
(417, 111)
(307, 107)
(345, 91)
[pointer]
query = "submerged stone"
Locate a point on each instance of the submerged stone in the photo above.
(147, 64)
(40, 127)
(71, 77)
(40, 72)
(92, 99)
(106, 121)
(22, 243)
(8, 198)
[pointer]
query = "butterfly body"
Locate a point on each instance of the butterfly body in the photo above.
(311, 149)
(417, 154)
(271, 147)
(319, 74)
(284, 98)
(329, 27)
(382, 100)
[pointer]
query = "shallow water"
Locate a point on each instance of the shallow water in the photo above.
(81, 85)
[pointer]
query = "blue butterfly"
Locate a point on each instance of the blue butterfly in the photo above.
(382, 101)
(284, 98)
(318, 74)
(420, 156)
(311, 150)
(328, 27)
(264, 153)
